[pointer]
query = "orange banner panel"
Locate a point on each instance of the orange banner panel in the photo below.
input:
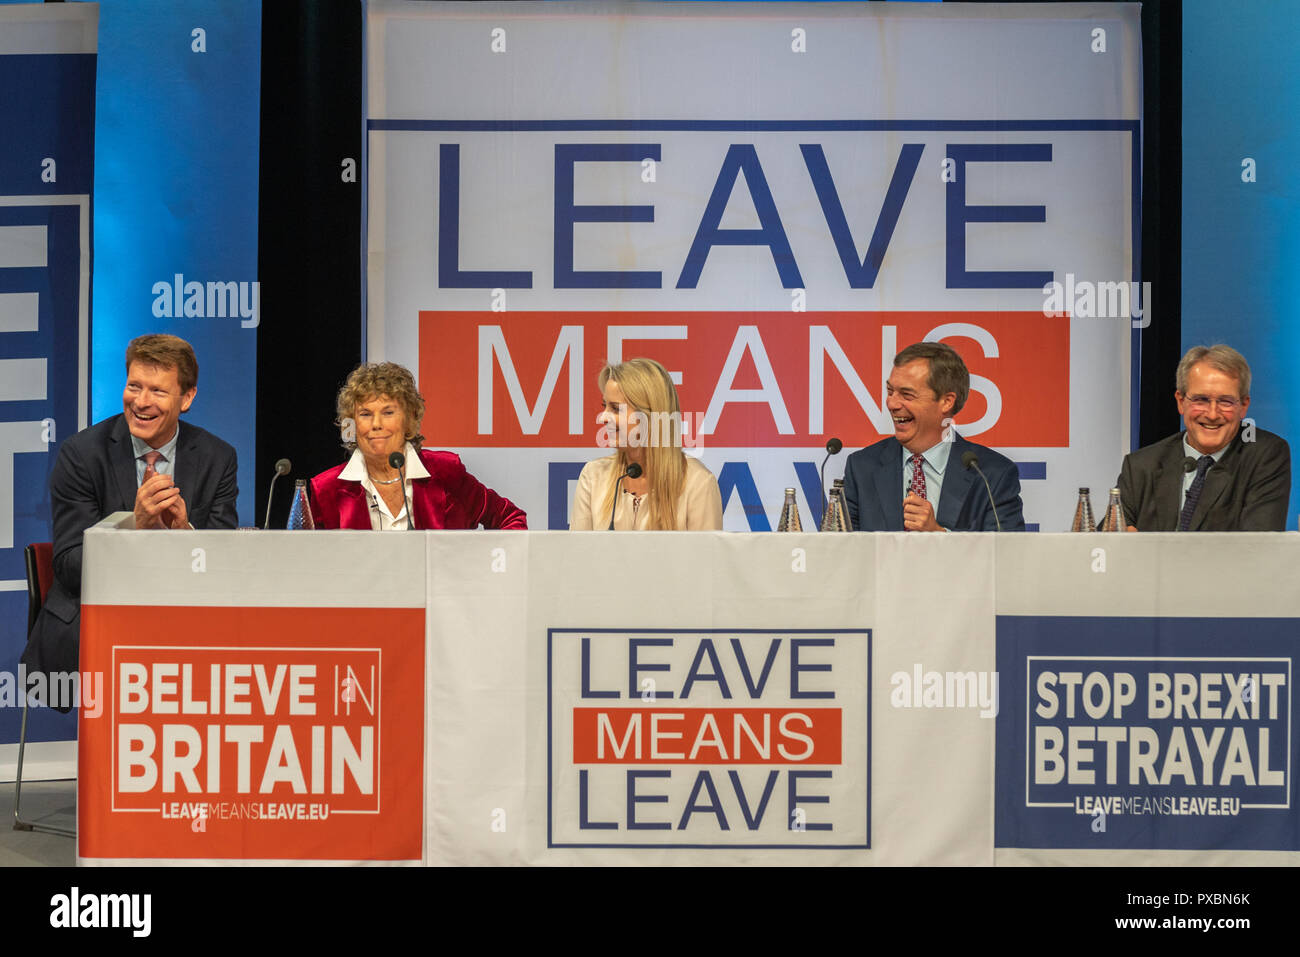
(252, 733)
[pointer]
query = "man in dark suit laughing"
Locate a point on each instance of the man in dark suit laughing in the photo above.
(894, 485)
(170, 474)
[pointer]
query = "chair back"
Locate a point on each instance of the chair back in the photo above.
(40, 575)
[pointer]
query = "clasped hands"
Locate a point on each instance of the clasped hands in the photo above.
(158, 504)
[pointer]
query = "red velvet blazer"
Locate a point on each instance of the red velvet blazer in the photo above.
(449, 498)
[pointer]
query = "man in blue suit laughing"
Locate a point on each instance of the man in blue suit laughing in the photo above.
(893, 486)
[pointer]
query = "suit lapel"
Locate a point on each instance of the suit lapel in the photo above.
(1168, 481)
(889, 486)
(122, 461)
(186, 472)
(956, 484)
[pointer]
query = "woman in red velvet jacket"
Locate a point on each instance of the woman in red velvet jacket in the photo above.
(380, 411)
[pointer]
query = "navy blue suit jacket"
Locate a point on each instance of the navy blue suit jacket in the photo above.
(873, 486)
(93, 477)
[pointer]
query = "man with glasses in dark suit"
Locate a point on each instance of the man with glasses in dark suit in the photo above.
(1216, 476)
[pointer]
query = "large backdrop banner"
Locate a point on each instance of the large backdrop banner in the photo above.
(47, 134)
(772, 200)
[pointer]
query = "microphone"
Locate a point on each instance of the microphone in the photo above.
(282, 467)
(398, 461)
(970, 460)
(633, 472)
(833, 447)
(1189, 464)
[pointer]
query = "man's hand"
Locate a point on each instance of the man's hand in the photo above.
(918, 515)
(177, 515)
(1131, 528)
(158, 504)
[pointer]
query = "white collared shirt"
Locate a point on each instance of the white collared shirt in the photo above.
(381, 519)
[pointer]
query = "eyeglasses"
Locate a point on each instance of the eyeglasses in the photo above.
(1201, 403)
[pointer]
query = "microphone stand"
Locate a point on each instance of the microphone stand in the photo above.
(282, 467)
(633, 471)
(971, 461)
(833, 447)
(398, 461)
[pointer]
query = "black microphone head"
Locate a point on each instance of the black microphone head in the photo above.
(833, 446)
(283, 467)
(633, 471)
(969, 460)
(397, 460)
(1189, 464)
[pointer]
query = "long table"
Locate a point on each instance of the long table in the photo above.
(697, 698)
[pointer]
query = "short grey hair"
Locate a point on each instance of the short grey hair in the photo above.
(1224, 358)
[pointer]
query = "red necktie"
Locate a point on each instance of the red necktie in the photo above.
(918, 476)
(150, 460)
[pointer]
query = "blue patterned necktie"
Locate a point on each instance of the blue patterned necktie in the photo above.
(1194, 493)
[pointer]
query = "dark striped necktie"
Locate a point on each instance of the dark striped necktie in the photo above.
(1194, 493)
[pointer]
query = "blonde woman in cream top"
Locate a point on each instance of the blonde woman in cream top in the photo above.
(642, 420)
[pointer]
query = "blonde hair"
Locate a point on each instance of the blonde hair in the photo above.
(650, 391)
(370, 380)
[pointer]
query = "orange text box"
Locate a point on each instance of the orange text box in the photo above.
(707, 736)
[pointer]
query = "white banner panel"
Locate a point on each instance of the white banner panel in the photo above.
(772, 200)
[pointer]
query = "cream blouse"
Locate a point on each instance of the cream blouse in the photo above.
(699, 508)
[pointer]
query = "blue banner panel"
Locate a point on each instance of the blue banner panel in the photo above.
(46, 178)
(1146, 733)
(176, 203)
(1241, 204)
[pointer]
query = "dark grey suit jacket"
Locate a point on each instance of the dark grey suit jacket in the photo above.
(93, 477)
(1245, 491)
(873, 487)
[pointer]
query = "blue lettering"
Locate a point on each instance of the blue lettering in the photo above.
(703, 780)
(634, 667)
(586, 674)
(706, 649)
(583, 823)
(959, 214)
(735, 476)
(755, 691)
(741, 157)
(862, 275)
(795, 667)
(558, 477)
(798, 800)
(566, 214)
(753, 821)
(450, 275)
(633, 799)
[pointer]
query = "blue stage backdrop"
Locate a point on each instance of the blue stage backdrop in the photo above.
(176, 157)
(1241, 200)
(47, 121)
